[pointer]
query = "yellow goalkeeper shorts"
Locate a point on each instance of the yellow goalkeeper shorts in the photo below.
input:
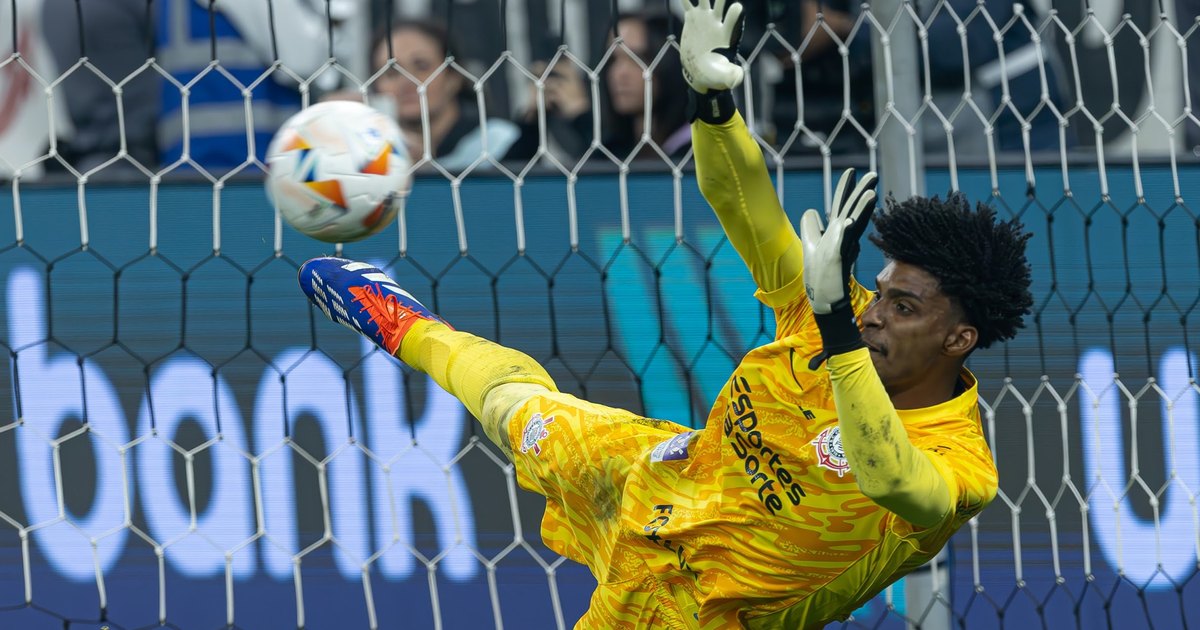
(578, 455)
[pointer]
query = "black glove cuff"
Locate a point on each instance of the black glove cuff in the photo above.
(839, 331)
(714, 108)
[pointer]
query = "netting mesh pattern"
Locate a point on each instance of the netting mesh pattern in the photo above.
(191, 445)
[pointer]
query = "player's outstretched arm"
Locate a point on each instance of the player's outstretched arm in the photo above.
(889, 469)
(887, 466)
(730, 168)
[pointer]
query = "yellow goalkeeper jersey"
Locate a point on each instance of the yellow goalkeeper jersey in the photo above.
(755, 520)
(766, 526)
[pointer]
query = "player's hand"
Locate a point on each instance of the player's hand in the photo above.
(829, 253)
(708, 44)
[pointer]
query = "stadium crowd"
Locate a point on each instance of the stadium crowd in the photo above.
(186, 111)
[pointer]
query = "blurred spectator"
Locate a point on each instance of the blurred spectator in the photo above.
(568, 114)
(644, 35)
(247, 42)
(117, 36)
(456, 138)
(822, 74)
(623, 108)
(824, 77)
(1022, 68)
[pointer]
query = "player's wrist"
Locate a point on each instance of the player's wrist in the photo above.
(715, 107)
(839, 330)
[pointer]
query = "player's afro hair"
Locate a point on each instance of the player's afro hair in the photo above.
(979, 262)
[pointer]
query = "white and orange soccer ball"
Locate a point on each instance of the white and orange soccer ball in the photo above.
(337, 171)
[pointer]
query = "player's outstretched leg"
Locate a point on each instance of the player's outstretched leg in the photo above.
(489, 379)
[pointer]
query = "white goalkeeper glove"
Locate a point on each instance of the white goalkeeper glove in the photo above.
(708, 45)
(829, 253)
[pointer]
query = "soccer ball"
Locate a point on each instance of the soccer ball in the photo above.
(336, 171)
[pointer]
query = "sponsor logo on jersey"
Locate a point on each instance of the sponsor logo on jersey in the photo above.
(764, 468)
(662, 516)
(673, 449)
(829, 451)
(534, 432)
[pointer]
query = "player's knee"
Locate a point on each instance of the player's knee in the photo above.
(500, 407)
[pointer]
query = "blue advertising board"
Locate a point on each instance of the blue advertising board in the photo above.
(188, 438)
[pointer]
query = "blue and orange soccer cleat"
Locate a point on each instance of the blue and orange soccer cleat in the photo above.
(362, 298)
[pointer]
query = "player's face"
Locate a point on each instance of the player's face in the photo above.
(625, 85)
(913, 330)
(420, 56)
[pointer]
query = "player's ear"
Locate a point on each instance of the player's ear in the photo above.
(960, 340)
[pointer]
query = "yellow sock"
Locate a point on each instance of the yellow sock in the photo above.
(469, 367)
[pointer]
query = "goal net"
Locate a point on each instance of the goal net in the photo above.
(189, 444)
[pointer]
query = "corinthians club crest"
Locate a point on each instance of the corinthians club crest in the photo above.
(535, 431)
(829, 451)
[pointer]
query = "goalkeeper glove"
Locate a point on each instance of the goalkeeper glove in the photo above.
(829, 255)
(708, 53)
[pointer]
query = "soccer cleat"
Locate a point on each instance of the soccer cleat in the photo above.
(362, 298)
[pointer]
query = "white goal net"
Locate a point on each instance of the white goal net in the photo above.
(188, 444)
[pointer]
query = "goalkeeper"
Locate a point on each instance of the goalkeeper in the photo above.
(837, 458)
